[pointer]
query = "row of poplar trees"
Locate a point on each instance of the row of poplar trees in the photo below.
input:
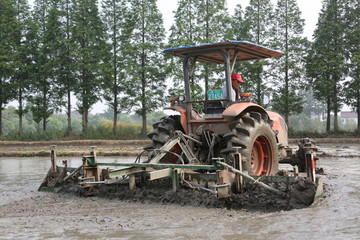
(112, 50)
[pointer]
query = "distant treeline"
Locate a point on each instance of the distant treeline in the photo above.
(112, 51)
(100, 126)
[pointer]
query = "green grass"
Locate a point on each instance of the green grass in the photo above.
(103, 131)
(123, 131)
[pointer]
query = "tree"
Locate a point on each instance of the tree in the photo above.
(326, 60)
(146, 84)
(352, 41)
(214, 24)
(287, 71)
(242, 34)
(182, 33)
(257, 28)
(238, 23)
(43, 92)
(117, 20)
(25, 52)
(65, 61)
(90, 53)
(196, 22)
(311, 106)
(7, 53)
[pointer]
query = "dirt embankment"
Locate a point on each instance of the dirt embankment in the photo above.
(110, 147)
(72, 148)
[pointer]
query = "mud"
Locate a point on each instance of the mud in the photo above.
(297, 195)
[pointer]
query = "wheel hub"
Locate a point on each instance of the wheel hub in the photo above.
(261, 156)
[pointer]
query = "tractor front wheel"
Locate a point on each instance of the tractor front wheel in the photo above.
(163, 131)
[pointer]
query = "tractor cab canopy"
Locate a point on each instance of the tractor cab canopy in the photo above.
(236, 51)
(226, 53)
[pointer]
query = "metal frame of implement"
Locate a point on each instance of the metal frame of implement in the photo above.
(223, 175)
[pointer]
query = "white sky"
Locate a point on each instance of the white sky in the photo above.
(310, 12)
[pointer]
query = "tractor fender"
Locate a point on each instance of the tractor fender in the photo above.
(237, 108)
(280, 126)
(182, 111)
(279, 123)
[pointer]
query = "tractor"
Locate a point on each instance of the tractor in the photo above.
(225, 149)
(225, 126)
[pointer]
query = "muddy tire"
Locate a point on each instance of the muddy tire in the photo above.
(258, 147)
(163, 131)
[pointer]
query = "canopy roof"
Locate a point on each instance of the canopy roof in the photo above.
(246, 51)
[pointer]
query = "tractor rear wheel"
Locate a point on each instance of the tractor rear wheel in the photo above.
(258, 147)
(163, 131)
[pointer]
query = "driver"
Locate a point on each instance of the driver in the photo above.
(236, 81)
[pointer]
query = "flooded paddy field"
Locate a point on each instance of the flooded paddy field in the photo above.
(26, 213)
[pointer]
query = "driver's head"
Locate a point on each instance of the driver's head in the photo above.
(236, 80)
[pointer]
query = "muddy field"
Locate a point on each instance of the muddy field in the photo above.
(26, 213)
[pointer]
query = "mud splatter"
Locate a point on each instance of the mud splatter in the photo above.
(299, 194)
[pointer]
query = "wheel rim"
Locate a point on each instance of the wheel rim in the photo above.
(261, 156)
(176, 149)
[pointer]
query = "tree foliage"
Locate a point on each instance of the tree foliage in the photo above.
(64, 70)
(146, 85)
(42, 99)
(352, 41)
(91, 52)
(257, 28)
(326, 63)
(7, 53)
(196, 22)
(117, 20)
(25, 52)
(288, 70)
(64, 48)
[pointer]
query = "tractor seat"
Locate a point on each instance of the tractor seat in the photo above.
(213, 108)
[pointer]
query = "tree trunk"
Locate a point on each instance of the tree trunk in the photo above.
(69, 128)
(144, 127)
(336, 109)
(115, 86)
(206, 40)
(328, 117)
(206, 81)
(44, 124)
(358, 109)
(85, 116)
(84, 121)
(1, 120)
(115, 115)
(20, 113)
(258, 86)
(287, 110)
(143, 82)
(38, 126)
(44, 101)
(258, 78)
(143, 102)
